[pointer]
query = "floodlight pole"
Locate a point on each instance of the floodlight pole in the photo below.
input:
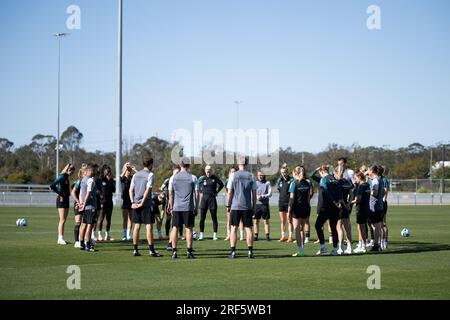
(58, 36)
(119, 107)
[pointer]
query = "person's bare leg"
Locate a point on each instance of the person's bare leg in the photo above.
(228, 227)
(340, 233)
(136, 230)
(330, 235)
(241, 230)
(174, 237)
(249, 237)
(266, 227)
(149, 232)
(255, 227)
(296, 224)
(283, 224)
(62, 221)
(290, 226)
(189, 238)
(233, 237)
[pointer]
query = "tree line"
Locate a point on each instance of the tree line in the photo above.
(35, 162)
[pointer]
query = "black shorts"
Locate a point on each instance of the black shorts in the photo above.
(361, 217)
(245, 215)
(76, 212)
(143, 215)
(375, 217)
(344, 213)
(64, 204)
(262, 211)
(180, 218)
(126, 205)
(89, 216)
(301, 212)
(385, 208)
(283, 207)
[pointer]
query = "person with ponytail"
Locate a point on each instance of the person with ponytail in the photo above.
(76, 197)
(61, 186)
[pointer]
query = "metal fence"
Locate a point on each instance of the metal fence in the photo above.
(41, 195)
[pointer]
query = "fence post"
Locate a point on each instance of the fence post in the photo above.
(398, 198)
(432, 199)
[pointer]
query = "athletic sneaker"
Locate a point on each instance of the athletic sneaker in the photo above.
(370, 244)
(77, 244)
(226, 239)
(215, 238)
(129, 238)
(322, 250)
(250, 255)
(92, 241)
(255, 238)
(299, 253)
(306, 240)
(348, 250)
(375, 248)
(154, 254)
(267, 238)
(100, 238)
(335, 252)
(61, 241)
(90, 249)
(169, 248)
(200, 237)
(282, 239)
(82, 246)
(124, 239)
(190, 255)
(174, 255)
(359, 250)
(290, 239)
(339, 251)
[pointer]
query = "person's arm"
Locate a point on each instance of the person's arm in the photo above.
(171, 197)
(386, 189)
(148, 189)
(73, 193)
(131, 191)
(315, 176)
(291, 202)
(220, 183)
(254, 200)
(269, 191)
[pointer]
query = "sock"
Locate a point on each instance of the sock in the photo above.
(290, 234)
(215, 235)
(256, 235)
(307, 234)
(250, 249)
(228, 233)
(82, 243)
(76, 232)
(151, 248)
(106, 234)
(242, 233)
(189, 250)
(174, 250)
(60, 237)
(169, 245)
(128, 233)
(99, 234)
(124, 233)
(135, 247)
(92, 234)
(201, 234)
(267, 235)
(283, 234)
(233, 249)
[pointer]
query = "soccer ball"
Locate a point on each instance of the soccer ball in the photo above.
(404, 232)
(21, 222)
(194, 235)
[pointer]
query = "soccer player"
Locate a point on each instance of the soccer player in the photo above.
(230, 174)
(75, 195)
(141, 195)
(263, 193)
(241, 201)
(329, 204)
(376, 205)
(165, 188)
(98, 192)
(125, 178)
(209, 186)
(361, 200)
(300, 194)
(183, 188)
(61, 186)
(343, 223)
(88, 203)
(387, 189)
(106, 200)
(283, 185)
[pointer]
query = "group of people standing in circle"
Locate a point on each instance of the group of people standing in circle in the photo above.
(183, 195)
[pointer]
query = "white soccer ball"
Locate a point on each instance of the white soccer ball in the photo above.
(194, 235)
(21, 222)
(405, 232)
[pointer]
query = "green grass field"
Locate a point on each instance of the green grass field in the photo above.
(33, 266)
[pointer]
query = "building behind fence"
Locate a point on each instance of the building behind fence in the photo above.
(403, 192)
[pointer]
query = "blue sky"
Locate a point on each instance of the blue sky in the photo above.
(309, 68)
